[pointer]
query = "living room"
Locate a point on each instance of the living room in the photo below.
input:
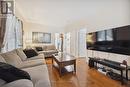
(82, 43)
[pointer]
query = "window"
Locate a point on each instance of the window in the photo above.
(40, 37)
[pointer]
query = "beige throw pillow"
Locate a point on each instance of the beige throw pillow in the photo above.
(2, 59)
(12, 58)
(21, 54)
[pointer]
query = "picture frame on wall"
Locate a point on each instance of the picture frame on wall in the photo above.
(41, 37)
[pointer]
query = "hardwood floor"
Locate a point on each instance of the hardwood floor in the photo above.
(84, 77)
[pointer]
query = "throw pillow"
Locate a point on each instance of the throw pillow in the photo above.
(39, 48)
(2, 59)
(10, 73)
(21, 54)
(12, 58)
(30, 53)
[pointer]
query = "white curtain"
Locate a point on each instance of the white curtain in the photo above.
(2, 32)
(9, 26)
(13, 33)
(19, 30)
(11, 36)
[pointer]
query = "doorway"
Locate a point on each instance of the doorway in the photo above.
(82, 43)
(67, 42)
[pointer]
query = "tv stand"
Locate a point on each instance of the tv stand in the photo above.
(112, 64)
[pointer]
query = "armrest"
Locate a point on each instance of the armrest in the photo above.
(19, 83)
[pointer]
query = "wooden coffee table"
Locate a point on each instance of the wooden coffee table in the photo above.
(62, 60)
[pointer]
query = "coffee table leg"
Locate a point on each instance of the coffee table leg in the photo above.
(60, 68)
(122, 82)
(75, 66)
(127, 74)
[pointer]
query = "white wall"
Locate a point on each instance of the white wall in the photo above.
(107, 15)
(33, 27)
(104, 15)
(29, 27)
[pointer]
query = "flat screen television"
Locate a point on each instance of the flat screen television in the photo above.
(115, 40)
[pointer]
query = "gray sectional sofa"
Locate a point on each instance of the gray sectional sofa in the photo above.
(35, 66)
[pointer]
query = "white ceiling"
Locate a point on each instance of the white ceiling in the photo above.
(60, 13)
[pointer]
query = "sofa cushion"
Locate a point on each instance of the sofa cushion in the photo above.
(12, 58)
(19, 83)
(2, 59)
(21, 54)
(51, 47)
(39, 75)
(2, 82)
(48, 53)
(39, 48)
(31, 63)
(10, 73)
(44, 47)
(30, 53)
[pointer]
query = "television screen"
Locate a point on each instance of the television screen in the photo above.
(116, 40)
